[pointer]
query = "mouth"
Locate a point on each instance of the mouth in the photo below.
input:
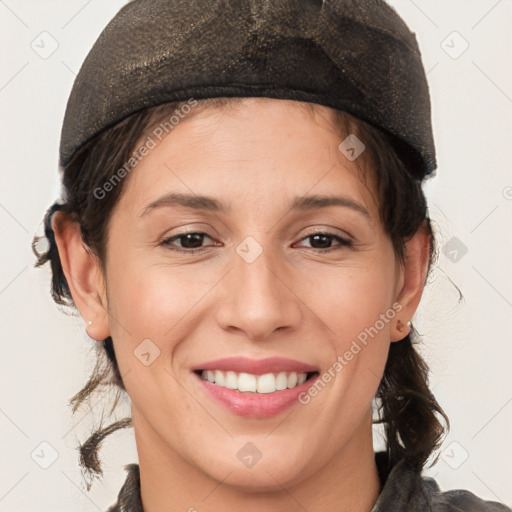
(255, 388)
(245, 382)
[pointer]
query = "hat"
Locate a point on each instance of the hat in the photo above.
(357, 56)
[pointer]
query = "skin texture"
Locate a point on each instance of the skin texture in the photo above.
(293, 301)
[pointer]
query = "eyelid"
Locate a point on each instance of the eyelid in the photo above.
(329, 230)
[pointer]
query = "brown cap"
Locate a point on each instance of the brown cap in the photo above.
(354, 55)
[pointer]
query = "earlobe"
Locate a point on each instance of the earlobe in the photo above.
(403, 328)
(415, 270)
(83, 275)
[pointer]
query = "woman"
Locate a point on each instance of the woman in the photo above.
(244, 232)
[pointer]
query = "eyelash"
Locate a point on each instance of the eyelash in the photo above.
(343, 242)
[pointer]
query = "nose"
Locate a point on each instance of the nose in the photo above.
(258, 298)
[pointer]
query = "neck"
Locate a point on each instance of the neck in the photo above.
(349, 482)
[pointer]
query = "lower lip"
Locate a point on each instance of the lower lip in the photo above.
(256, 405)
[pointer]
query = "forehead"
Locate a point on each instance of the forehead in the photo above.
(255, 144)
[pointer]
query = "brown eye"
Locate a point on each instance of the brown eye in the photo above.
(323, 241)
(188, 241)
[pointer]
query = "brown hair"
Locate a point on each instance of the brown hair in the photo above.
(406, 406)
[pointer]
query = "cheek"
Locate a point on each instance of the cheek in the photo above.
(357, 305)
(156, 309)
(149, 300)
(351, 300)
(149, 307)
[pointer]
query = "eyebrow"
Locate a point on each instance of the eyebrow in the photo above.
(314, 202)
(211, 204)
(188, 201)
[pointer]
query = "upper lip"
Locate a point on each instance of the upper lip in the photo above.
(256, 366)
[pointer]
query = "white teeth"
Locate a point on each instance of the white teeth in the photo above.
(219, 378)
(281, 381)
(247, 382)
(292, 380)
(231, 380)
(266, 383)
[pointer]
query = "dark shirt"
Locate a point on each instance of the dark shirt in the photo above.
(403, 490)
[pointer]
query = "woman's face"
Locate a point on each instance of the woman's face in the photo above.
(254, 291)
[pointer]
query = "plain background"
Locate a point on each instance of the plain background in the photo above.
(46, 356)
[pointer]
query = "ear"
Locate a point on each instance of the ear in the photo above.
(413, 278)
(83, 275)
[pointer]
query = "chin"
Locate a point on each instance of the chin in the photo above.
(267, 474)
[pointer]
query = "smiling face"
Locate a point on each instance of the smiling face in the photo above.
(285, 267)
(265, 274)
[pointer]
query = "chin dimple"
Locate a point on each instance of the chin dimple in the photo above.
(246, 382)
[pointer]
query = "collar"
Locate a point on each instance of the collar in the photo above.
(402, 488)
